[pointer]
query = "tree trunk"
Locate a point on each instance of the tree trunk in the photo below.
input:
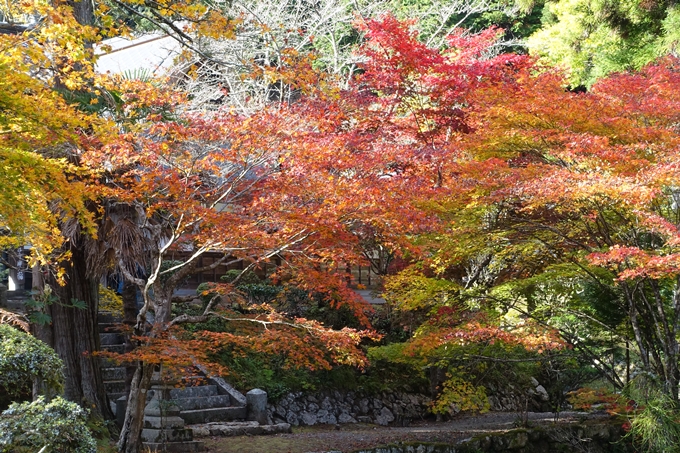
(129, 296)
(129, 441)
(75, 330)
(75, 334)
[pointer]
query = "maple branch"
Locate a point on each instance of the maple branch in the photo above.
(207, 313)
(173, 27)
(215, 264)
(271, 36)
(248, 187)
(463, 357)
(182, 299)
(609, 372)
(14, 29)
(595, 358)
(595, 278)
(553, 230)
(141, 316)
(449, 12)
(185, 318)
(632, 316)
(676, 303)
(478, 272)
(662, 313)
(126, 273)
(267, 323)
(644, 336)
(184, 268)
(592, 319)
(301, 236)
(650, 310)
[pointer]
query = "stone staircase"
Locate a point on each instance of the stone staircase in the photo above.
(211, 400)
(205, 403)
(111, 340)
(164, 430)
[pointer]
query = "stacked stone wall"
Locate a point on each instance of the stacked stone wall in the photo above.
(389, 408)
(335, 407)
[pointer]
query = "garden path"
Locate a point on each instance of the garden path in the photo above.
(351, 437)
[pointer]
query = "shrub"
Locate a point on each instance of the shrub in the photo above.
(654, 418)
(23, 358)
(109, 301)
(248, 277)
(59, 425)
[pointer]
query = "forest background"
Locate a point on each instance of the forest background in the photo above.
(514, 187)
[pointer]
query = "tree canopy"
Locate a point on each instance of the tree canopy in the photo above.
(591, 39)
(529, 218)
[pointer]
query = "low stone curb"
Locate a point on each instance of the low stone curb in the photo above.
(229, 429)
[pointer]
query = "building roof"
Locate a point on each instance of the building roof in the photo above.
(147, 55)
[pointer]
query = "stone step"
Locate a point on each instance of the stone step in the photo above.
(112, 387)
(106, 327)
(117, 348)
(174, 447)
(107, 363)
(215, 414)
(114, 396)
(167, 435)
(108, 318)
(229, 429)
(111, 338)
(205, 402)
(194, 392)
(115, 373)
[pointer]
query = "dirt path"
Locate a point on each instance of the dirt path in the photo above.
(353, 437)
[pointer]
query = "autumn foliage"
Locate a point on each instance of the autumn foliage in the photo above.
(505, 196)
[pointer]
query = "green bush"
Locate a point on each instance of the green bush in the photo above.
(23, 358)
(59, 425)
(258, 370)
(393, 369)
(269, 373)
(248, 277)
(654, 425)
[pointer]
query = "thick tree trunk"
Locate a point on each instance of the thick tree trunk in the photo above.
(75, 335)
(75, 330)
(82, 11)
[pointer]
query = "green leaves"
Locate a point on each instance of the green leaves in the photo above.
(24, 358)
(594, 39)
(59, 426)
(411, 290)
(79, 304)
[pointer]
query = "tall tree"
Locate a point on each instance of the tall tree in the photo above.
(52, 60)
(43, 138)
(574, 196)
(591, 39)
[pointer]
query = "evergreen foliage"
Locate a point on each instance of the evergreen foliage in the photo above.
(593, 38)
(57, 426)
(24, 358)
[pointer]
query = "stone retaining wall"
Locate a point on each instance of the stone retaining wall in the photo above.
(348, 407)
(388, 408)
